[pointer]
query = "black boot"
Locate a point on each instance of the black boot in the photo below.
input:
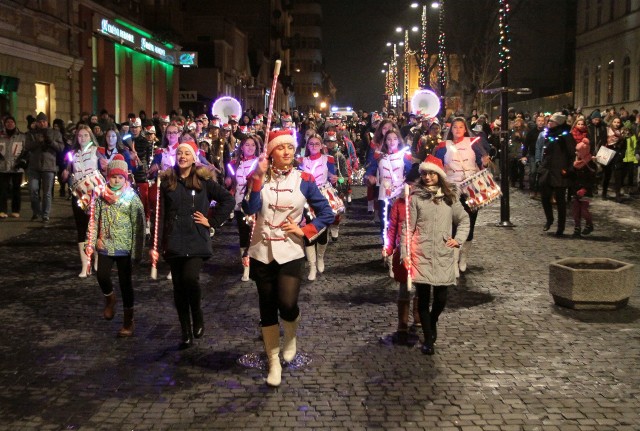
(576, 232)
(185, 325)
(196, 312)
(198, 323)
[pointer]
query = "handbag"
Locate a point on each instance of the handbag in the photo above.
(605, 155)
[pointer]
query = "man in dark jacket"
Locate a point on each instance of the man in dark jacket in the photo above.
(530, 154)
(596, 132)
(555, 170)
(43, 144)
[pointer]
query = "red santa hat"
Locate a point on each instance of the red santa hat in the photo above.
(433, 164)
(191, 147)
(280, 137)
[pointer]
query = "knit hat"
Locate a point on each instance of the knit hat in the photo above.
(136, 122)
(558, 118)
(330, 136)
(191, 147)
(596, 114)
(433, 164)
(117, 166)
(280, 137)
(42, 117)
(150, 129)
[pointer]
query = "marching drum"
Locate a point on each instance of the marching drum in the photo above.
(480, 189)
(331, 194)
(83, 187)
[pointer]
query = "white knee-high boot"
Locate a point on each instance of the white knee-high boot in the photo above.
(322, 248)
(84, 259)
(290, 348)
(245, 269)
(271, 338)
(464, 253)
(311, 258)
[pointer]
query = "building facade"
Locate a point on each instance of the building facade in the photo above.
(39, 59)
(607, 69)
(307, 55)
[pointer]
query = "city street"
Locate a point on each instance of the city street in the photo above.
(506, 358)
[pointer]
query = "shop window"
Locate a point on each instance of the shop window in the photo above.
(42, 98)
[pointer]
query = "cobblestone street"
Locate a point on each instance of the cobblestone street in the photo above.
(507, 358)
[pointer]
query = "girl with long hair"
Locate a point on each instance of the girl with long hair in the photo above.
(438, 224)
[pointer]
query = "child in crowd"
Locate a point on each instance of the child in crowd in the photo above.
(119, 220)
(582, 191)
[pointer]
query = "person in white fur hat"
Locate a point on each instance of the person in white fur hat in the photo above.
(277, 194)
(438, 224)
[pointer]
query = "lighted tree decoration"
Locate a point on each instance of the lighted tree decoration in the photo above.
(504, 55)
(423, 63)
(441, 52)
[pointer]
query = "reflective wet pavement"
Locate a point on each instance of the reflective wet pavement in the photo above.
(507, 358)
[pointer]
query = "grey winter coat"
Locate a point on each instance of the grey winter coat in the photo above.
(43, 146)
(10, 149)
(430, 226)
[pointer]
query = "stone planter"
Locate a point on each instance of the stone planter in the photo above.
(591, 283)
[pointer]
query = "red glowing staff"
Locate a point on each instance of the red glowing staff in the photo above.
(153, 253)
(272, 96)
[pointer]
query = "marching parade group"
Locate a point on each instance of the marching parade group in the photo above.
(172, 181)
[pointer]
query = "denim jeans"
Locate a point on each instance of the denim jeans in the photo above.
(41, 181)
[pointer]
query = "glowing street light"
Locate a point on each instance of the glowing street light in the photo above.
(435, 5)
(316, 94)
(389, 43)
(398, 29)
(415, 4)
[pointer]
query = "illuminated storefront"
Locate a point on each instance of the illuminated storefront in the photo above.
(127, 69)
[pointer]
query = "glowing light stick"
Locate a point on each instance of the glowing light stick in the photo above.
(230, 167)
(155, 256)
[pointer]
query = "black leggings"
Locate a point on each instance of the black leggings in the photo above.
(430, 318)
(278, 289)
(185, 275)
(105, 263)
(244, 230)
(473, 215)
(82, 220)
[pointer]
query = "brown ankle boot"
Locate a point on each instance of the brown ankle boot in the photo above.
(127, 325)
(109, 304)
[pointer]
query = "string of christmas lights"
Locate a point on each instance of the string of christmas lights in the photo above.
(423, 64)
(504, 56)
(405, 70)
(441, 48)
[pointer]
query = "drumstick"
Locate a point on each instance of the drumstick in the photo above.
(154, 252)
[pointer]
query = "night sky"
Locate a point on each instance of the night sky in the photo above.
(355, 33)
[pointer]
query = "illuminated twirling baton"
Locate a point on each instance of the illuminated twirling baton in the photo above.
(155, 256)
(272, 97)
(407, 238)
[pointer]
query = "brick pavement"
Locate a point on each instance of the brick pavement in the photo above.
(507, 358)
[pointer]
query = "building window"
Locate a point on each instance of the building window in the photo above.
(610, 71)
(599, 13)
(596, 85)
(626, 78)
(586, 15)
(585, 87)
(42, 98)
(612, 10)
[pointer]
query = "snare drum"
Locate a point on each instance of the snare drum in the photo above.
(83, 187)
(480, 189)
(331, 194)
